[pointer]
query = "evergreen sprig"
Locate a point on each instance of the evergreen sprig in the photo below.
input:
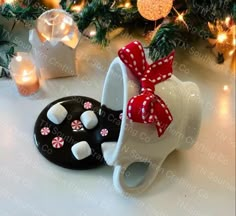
(6, 53)
(210, 11)
(22, 13)
(166, 39)
(63, 4)
(105, 18)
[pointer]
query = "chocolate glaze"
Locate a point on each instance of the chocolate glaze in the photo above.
(108, 119)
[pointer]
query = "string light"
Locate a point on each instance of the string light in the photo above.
(19, 58)
(221, 37)
(9, 1)
(92, 33)
(127, 4)
(78, 7)
(225, 41)
(227, 21)
(180, 17)
(231, 52)
(226, 88)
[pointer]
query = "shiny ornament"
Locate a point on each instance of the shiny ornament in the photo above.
(154, 9)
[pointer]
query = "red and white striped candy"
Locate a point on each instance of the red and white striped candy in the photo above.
(57, 142)
(104, 132)
(76, 125)
(87, 105)
(45, 131)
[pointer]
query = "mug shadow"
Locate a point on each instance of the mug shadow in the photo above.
(174, 167)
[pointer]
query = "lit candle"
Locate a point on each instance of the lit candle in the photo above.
(24, 73)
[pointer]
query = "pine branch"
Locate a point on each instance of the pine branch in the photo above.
(16, 11)
(63, 4)
(105, 19)
(166, 39)
(209, 10)
(234, 12)
(6, 53)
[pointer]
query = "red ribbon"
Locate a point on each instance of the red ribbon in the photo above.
(147, 107)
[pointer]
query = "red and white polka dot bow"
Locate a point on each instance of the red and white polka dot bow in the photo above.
(147, 107)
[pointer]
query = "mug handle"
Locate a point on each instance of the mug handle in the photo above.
(121, 186)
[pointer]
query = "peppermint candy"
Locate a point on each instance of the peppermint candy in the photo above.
(45, 131)
(76, 125)
(57, 142)
(87, 105)
(104, 132)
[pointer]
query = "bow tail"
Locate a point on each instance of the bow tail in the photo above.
(163, 117)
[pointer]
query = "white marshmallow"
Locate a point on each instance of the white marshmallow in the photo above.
(81, 150)
(57, 113)
(89, 119)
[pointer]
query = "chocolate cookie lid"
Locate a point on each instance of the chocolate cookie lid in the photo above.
(55, 141)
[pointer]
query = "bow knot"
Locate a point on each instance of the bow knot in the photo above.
(147, 107)
(147, 85)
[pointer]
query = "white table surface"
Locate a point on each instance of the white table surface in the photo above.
(198, 182)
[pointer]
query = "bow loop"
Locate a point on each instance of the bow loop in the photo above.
(161, 70)
(134, 58)
(147, 107)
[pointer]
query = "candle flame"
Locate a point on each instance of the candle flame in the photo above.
(25, 75)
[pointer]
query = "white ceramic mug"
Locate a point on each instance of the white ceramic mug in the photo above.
(139, 142)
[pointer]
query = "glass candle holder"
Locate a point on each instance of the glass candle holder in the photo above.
(24, 73)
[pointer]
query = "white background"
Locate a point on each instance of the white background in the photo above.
(198, 182)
